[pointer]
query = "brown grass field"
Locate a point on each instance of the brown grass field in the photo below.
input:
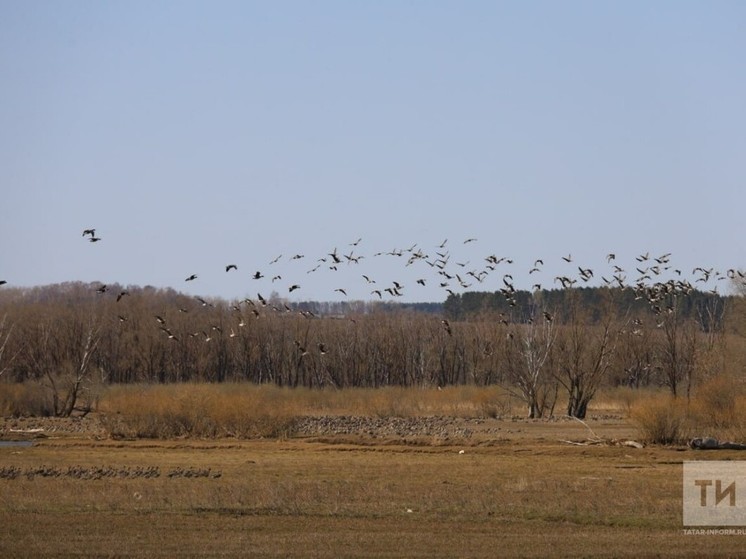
(519, 489)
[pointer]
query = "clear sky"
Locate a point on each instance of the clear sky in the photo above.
(192, 135)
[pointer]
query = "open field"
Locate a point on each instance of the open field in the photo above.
(392, 489)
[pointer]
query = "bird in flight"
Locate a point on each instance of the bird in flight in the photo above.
(91, 232)
(293, 287)
(191, 278)
(230, 267)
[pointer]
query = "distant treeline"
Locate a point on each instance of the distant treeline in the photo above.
(522, 306)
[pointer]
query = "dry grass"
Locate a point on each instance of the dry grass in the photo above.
(524, 497)
(250, 411)
(662, 419)
(515, 491)
(717, 409)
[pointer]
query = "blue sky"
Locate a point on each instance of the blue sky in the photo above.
(192, 135)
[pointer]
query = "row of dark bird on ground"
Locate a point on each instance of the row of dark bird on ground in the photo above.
(453, 272)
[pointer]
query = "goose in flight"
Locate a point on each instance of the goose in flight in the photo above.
(91, 232)
(230, 267)
(191, 278)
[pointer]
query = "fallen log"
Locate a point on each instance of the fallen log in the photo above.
(711, 443)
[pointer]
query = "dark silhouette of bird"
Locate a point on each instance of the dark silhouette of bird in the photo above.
(342, 291)
(160, 319)
(337, 259)
(191, 278)
(3, 282)
(262, 300)
(470, 240)
(91, 232)
(548, 317)
(276, 259)
(293, 287)
(122, 294)
(257, 275)
(447, 326)
(94, 239)
(421, 281)
(101, 289)
(230, 267)
(567, 258)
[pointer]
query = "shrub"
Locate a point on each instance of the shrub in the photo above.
(662, 419)
(24, 399)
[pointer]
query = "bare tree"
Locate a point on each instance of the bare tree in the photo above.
(585, 353)
(527, 358)
(678, 345)
(5, 360)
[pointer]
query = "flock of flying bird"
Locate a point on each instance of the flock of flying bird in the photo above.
(456, 276)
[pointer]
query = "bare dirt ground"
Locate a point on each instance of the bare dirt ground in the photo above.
(350, 487)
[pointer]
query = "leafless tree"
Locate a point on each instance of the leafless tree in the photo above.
(528, 355)
(585, 353)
